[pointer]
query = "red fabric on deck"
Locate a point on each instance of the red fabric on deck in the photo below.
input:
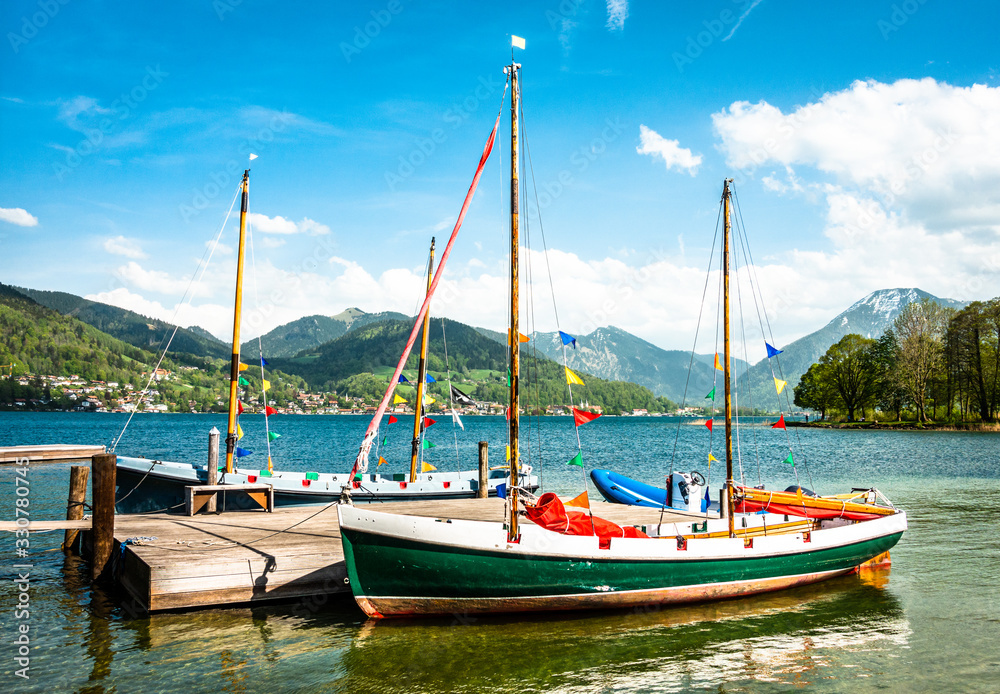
(551, 514)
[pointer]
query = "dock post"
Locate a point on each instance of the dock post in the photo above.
(484, 470)
(78, 475)
(213, 468)
(103, 498)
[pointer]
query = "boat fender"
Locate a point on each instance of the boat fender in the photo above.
(682, 544)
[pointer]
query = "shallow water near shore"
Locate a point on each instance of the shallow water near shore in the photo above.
(931, 623)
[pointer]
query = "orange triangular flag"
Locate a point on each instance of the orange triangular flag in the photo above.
(708, 423)
(381, 461)
(780, 424)
(718, 364)
(582, 501)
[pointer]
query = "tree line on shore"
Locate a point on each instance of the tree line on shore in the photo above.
(932, 363)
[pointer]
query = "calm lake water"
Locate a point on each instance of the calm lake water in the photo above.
(930, 624)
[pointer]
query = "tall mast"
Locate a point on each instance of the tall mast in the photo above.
(234, 368)
(418, 406)
(514, 336)
(726, 367)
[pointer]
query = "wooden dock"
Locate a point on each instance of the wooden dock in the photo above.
(252, 556)
(49, 453)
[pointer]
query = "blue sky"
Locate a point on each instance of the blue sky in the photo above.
(124, 126)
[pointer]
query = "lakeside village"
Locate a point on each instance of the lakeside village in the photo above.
(75, 394)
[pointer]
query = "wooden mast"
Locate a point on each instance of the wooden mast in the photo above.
(234, 369)
(418, 406)
(514, 336)
(726, 348)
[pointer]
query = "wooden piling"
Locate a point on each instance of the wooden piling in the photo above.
(78, 475)
(213, 468)
(484, 471)
(103, 499)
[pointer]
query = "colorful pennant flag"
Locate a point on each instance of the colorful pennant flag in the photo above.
(506, 413)
(392, 419)
(396, 399)
(429, 379)
(243, 367)
(581, 501)
(771, 351)
(428, 400)
(381, 461)
(270, 411)
(460, 397)
(428, 422)
(789, 460)
(705, 502)
(780, 424)
(508, 378)
(572, 378)
(708, 423)
(508, 451)
(242, 452)
(712, 459)
(243, 382)
(581, 417)
(384, 438)
(457, 420)
(576, 459)
(502, 491)
(780, 385)
(263, 361)
(516, 42)
(426, 467)
(718, 364)
(521, 337)
(271, 436)
(266, 384)
(567, 339)
(711, 396)
(402, 379)
(239, 407)
(239, 432)
(427, 444)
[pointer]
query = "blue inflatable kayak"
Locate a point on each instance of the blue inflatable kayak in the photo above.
(619, 489)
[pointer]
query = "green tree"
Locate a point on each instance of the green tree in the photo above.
(849, 364)
(815, 390)
(919, 332)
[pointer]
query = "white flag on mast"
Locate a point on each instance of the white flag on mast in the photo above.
(517, 42)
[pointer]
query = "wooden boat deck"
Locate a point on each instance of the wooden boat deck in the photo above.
(49, 453)
(293, 553)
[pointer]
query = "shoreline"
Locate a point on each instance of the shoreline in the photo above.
(901, 426)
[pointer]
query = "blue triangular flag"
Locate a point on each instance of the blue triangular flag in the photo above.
(402, 379)
(567, 339)
(502, 491)
(705, 502)
(263, 361)
(771, 351)
(431, 379)
(242, 452)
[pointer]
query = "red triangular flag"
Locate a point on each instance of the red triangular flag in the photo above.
(581, 417)
(506, 412)
(708, 423)
(392, 419)
(780, 424)
(239, 407)
(428, 421)
(270, 410)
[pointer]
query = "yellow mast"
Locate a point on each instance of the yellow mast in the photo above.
(234, 371)
(418, 406)
(725, 370)
(515, 334)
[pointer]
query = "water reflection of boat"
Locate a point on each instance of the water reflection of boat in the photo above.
(778, 638)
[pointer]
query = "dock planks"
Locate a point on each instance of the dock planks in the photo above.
(48, 453)
(252, 556)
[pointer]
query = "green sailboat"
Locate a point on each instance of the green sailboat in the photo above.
(563, 560)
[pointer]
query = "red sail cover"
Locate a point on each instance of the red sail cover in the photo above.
(550, 513)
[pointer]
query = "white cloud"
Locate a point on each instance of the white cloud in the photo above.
(18, 216)
(130, 248)
(280, 225)
(617, 14)
(670, 151)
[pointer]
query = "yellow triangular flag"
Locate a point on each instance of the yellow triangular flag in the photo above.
(428, 400)
(381, 461)
(239, 432)
(243, 367)
(267, 384)
(712, 458)
(582, 501)
(572, 378)
(718, 364)
(396, 399)
(508, 451)
(780, 385)
(426, 467)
